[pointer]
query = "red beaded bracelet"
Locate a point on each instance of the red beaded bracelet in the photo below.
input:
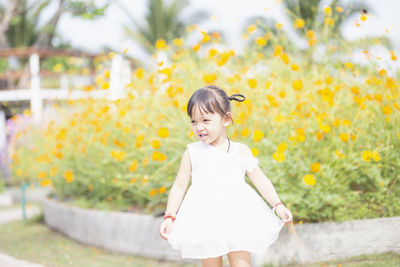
(169, 216)
(279, 203)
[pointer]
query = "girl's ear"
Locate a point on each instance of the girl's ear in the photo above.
(227, 119)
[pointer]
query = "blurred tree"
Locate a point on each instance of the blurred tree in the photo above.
(316, 21)
(7, 11)
(163, 21)
(19, 20)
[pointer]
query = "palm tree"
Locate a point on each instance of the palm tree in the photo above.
(23, 28)
(310, 12)
(161, 22)
(313, 15)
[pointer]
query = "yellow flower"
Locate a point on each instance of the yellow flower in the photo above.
(328, 10)
(160, 44)
(375, 155)
(46, 182)
(139, 73)
(153, 192)
(318, 135)
(133, 180)
(156, 144)
(261, 41)
(346, 122)
(387, 110)
(258, 135)
(212, 52)
(344, 137)
(309, 179)
(282, 147)
(134, 165)
(339, 9)
(297, 85)
(252, 83)
(162, 189)
(326, 128)
(363, 17)
(206, 38)
(279, 25)
(255, 151)
(348, 65)
(118, 155)
(69, 176)
(382, 72)
(315, 167)
(299, 23)
(210, 78)
(58, 67)
(301, 137)
(251, 28)
(139, 140)
(277, 50)
(310, 34)
(367, 155)
(158, 156)
(178, 42)
(285, 58)
(196, 47)
(107, 74)
(312, 41)
(295, 67)
(245, 132)
(278, 156)
(329, 21)
(163, 132)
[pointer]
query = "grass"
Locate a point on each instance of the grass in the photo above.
(33, 241)
(389, 259)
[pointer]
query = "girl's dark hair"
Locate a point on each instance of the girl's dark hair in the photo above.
(212, 99)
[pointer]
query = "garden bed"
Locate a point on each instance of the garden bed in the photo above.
(138, 234)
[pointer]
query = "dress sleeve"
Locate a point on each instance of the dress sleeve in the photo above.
(250, 163)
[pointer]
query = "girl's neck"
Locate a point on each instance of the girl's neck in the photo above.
(220, 142)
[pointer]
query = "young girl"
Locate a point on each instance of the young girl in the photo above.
(221, 213)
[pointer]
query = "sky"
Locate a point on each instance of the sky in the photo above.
(227, 15)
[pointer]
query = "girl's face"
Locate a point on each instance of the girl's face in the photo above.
(208, 127)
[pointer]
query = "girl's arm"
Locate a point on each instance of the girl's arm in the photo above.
(180, 185)
(261, 181)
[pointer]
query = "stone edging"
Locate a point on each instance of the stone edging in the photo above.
(138, 234)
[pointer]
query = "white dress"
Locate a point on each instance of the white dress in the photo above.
(221, 212)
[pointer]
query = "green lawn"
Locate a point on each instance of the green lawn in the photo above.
(372, 260)
(33, 241)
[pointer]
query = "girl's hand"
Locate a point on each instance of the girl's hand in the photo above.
(165, 228)
(285, 214)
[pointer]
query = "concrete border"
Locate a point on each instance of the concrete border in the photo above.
(138, 234)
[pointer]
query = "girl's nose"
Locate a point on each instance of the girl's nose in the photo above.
(199, 127)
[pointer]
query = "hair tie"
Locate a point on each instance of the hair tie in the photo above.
(233, 97)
